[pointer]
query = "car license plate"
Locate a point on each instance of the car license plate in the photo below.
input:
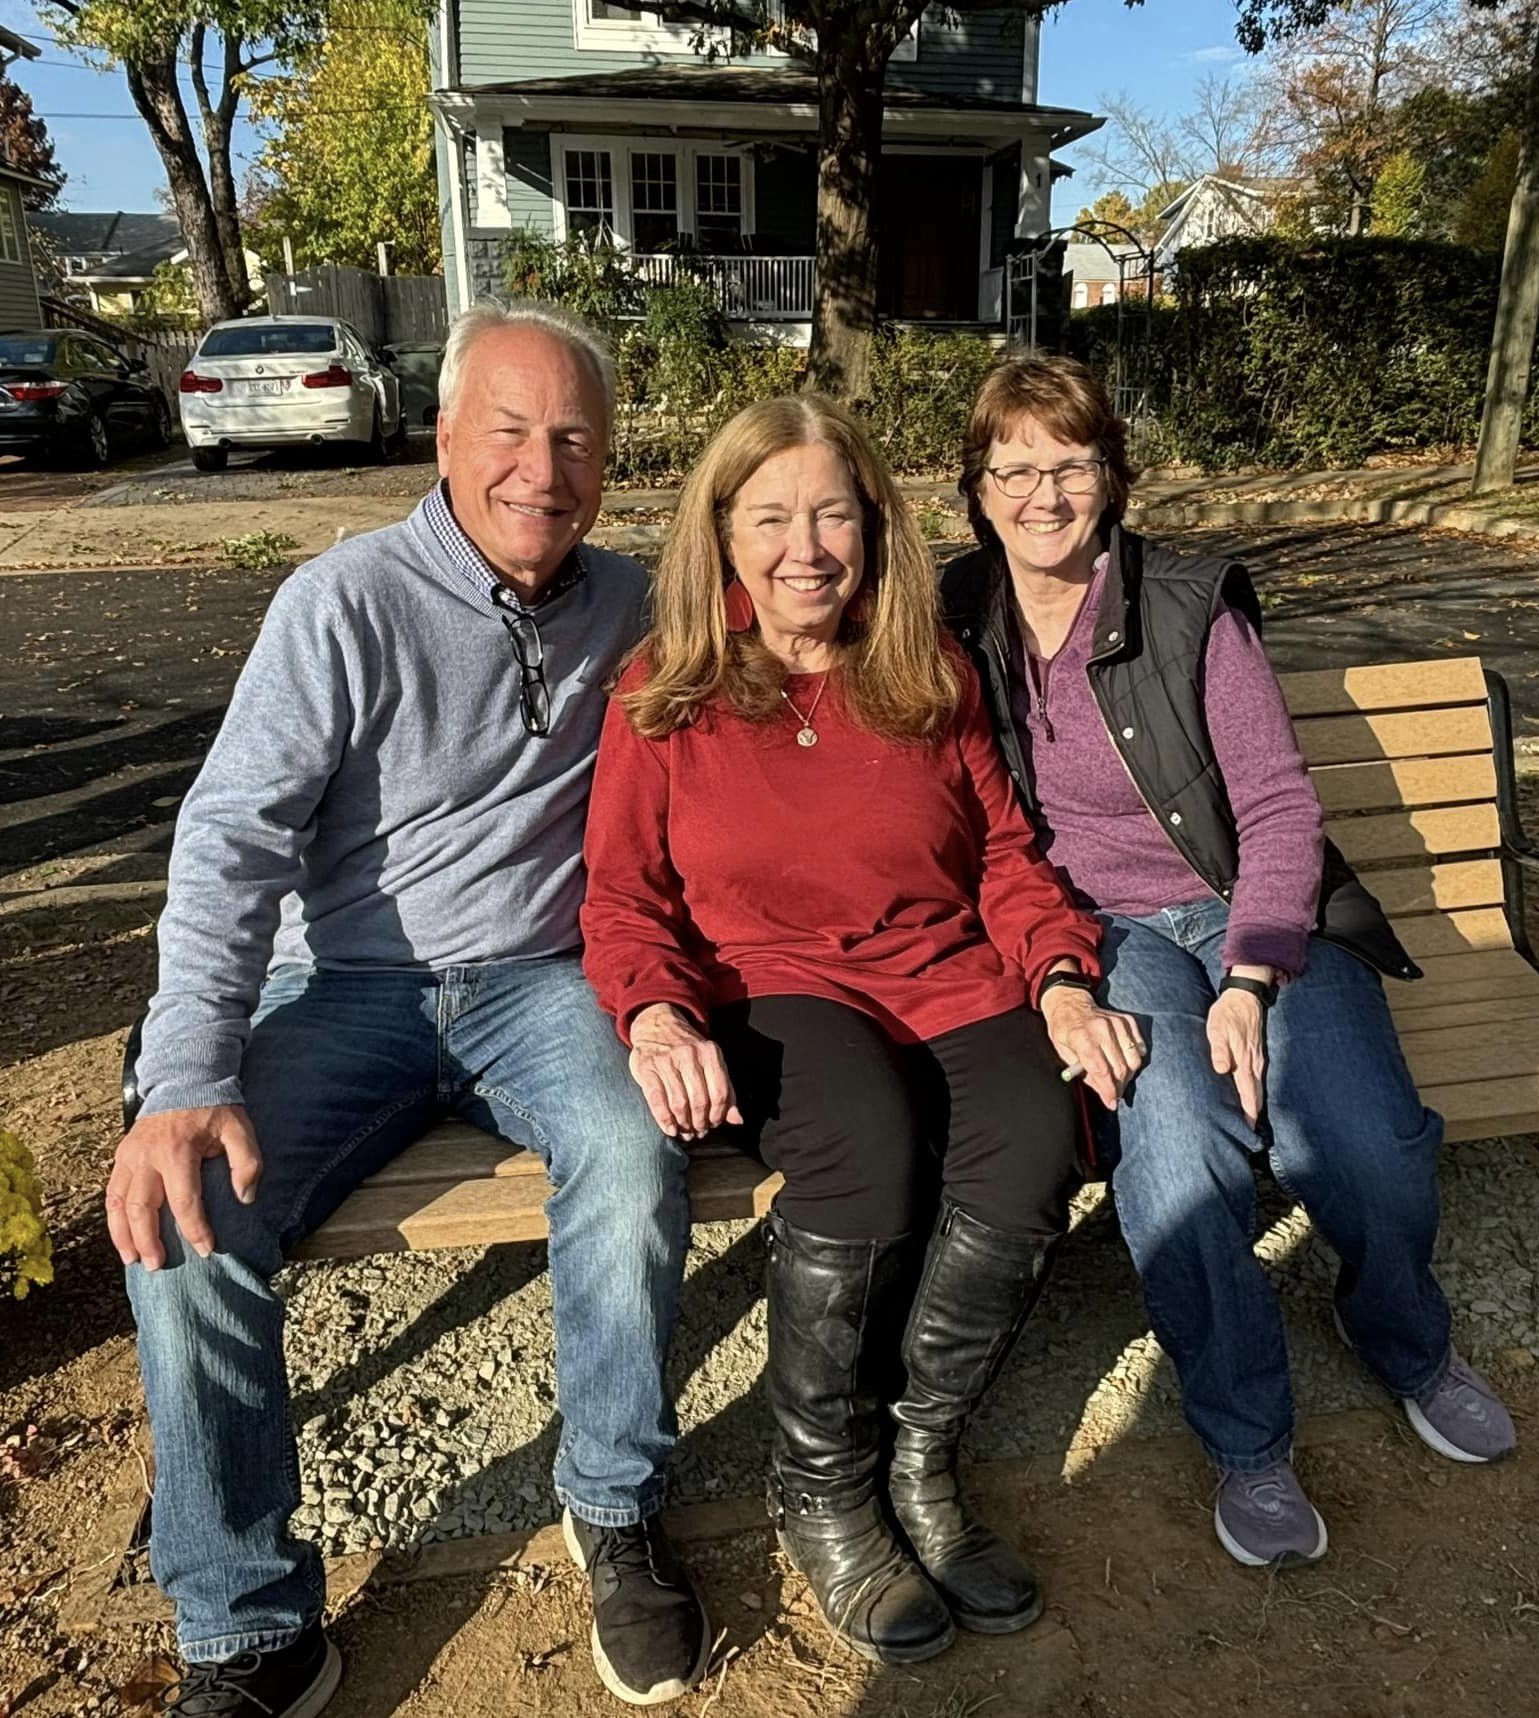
(277, 385)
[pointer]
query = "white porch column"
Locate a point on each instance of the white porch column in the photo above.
(1033, 210)
(491, 172)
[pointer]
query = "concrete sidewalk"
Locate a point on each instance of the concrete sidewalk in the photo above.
(193, 533)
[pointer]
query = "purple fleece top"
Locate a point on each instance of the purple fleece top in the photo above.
(1104, 839)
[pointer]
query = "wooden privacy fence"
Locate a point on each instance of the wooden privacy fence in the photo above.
(387, 309)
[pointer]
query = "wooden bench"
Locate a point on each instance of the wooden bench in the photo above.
(1413, 762)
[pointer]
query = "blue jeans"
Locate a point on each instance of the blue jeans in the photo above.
(344, 1070)
(1346, 1135)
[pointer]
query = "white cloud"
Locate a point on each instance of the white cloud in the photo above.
(1222, 54)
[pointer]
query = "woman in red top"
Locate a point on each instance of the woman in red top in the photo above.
(816, 913)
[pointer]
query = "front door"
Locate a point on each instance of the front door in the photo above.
(929, 207)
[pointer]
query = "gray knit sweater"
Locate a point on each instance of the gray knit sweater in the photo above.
(372, 799)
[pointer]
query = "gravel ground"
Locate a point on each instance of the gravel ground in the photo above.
(425, 1385)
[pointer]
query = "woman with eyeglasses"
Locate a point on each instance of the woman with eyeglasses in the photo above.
(1147, 735)
(816, 913)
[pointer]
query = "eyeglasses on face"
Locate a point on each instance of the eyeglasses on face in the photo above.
(529, 653)
(1073, 477)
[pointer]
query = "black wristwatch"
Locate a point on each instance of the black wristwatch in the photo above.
(1265, 994)
(1075, 980)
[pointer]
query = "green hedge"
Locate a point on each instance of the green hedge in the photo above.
(1271, 353)
(1297, 355)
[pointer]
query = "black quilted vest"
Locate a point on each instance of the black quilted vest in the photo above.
(1146, 674)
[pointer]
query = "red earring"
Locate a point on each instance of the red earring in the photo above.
(739, 606)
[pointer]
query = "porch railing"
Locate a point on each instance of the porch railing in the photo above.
(748, 288)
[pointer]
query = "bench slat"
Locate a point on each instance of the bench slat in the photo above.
(1485, 1101)
(1414, 734)
(1412, 834)
(1497, 1011)
(1453, 933)
(1405, 782)
(1453, 1055)
(1384, 686)
(1428, 888)
(455, 1151)
(414, 1217)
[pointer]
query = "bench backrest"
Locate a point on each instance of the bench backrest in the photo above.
(1406, 764)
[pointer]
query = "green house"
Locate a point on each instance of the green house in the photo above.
(579, 116)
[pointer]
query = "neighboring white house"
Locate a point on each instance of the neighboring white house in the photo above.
(1212, 208)
(572, 116)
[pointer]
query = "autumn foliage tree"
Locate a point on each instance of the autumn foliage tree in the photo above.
(1517, 310)
(223, 43)
(25, 143)
(348, 158)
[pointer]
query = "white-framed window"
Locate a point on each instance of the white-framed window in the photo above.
(10, 224)
(654, 199)
(601, 24)
(652, 193)
(1081, 298)
(718, 202)
(590, 191)
(1109, 292)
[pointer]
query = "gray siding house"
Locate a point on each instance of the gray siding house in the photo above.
(19, 308)
(572, 116)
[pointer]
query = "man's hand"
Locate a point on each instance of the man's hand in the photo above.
(1237, 1041)
(1109, 1047)
(160, 1162)
(682, 1073)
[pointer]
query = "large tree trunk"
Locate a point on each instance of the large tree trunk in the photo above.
(152, 83)
(850, 149)
(1517, 310)
(218, 125)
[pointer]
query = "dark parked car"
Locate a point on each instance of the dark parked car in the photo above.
(70, 395)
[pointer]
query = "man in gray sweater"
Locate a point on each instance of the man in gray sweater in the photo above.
(372, 923)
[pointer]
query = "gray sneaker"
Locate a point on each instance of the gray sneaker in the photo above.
(1264, 1520)
(1462, 1417)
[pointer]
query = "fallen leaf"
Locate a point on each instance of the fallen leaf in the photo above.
(145, 1691)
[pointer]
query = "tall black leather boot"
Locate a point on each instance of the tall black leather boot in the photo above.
(832, 1308)
(979, 1285)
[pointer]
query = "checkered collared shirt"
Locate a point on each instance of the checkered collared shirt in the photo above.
(476, 570)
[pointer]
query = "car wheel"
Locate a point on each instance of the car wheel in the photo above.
(97, 446)
(379, 448)
(160, 424)
(210, 458)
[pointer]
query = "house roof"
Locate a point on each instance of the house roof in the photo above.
(1237, 191)
(1088, 261)
(110, 233)
(12, 171)
(751, 87)
(18, 47)
(139, 264)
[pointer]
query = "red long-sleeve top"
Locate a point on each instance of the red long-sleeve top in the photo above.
(727, 861)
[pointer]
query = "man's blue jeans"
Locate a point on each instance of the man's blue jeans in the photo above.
(1347, 1136)
(344, 1070)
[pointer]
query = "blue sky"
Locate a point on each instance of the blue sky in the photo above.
(1155, 52)
(1090, 48)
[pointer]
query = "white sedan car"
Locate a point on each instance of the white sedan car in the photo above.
(277, 381)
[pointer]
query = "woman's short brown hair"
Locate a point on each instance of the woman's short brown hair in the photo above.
(1069, 401)
(897, 678)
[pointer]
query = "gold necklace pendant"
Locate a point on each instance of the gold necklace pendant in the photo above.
(806, 734)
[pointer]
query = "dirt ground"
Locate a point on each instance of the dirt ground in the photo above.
(110, 687)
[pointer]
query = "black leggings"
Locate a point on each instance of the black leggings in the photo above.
(868, 1132)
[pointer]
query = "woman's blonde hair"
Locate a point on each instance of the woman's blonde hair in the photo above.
(896, 679)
